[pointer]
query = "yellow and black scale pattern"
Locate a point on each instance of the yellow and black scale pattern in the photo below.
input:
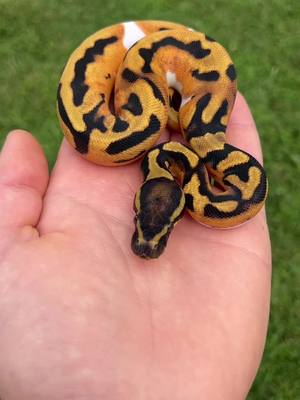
(118, 91)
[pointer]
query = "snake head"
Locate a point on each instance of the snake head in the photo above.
(159, 204)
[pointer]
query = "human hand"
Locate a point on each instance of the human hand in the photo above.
(83, 318)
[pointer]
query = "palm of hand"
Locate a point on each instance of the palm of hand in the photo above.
(84, 318)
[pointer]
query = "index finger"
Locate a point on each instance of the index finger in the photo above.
(241, 131)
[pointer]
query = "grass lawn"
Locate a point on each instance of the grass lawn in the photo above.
(263, 37)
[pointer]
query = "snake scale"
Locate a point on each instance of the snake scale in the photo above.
(119, 90)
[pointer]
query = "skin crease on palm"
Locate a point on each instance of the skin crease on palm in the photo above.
(83, 318)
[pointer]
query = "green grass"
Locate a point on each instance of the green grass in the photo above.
(262, 36)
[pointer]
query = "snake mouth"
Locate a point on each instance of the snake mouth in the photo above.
(148, 249)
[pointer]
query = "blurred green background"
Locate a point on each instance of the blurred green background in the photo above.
(263, 38)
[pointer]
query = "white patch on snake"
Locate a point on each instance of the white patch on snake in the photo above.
(185, 100)
(173, 82)
(132, 33)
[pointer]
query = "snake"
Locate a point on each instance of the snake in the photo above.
(119, 90)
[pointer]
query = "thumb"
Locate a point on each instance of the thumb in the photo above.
(23, 181)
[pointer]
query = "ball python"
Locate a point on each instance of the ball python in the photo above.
(118, 91)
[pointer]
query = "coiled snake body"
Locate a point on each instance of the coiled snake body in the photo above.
(161, 73)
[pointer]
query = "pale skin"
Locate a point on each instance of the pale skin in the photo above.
(83, 318)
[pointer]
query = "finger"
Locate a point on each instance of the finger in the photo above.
(242, 133)
(23, 181)
(241, 130)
